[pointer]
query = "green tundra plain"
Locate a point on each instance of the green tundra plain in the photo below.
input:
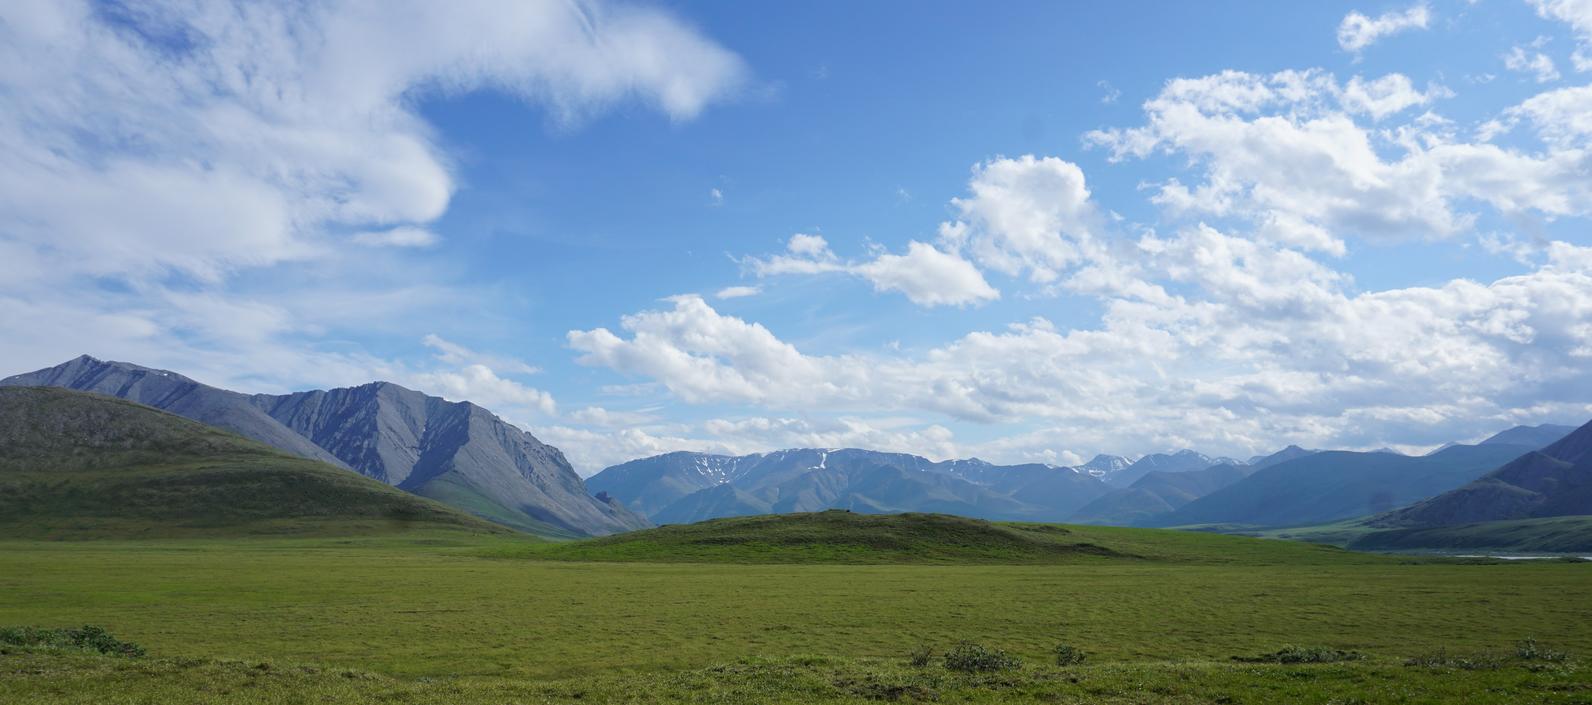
(732, 613)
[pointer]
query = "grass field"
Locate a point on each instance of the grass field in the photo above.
(1549, 535)
(449, 617)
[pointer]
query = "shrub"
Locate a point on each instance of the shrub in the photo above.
(969, 657)
(1442, 659)
(1069, 655)
(88, 638)
(1303, 654)
(1530, 650)
(921, 656)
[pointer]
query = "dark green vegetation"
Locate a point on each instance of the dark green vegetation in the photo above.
(1303, 654)
(838, 536)
(88, 639)
(1550, 535)
(77, 465)
(436, 618)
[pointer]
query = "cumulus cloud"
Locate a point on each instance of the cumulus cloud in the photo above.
(927, 275)
(1026, 215)
(1535, 63)
(1562, 118)
(1264, 345)
(1284, 153)
(1577, 14)
(481, 385)
(1358, 31)
(160, 149)
(1388, 95)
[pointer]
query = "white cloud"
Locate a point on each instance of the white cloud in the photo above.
(1025, 215)
(1284, 153)
(905, 436)
(1111, 93)
(715, 197)
(737, 292)
(456, 354)
(1357, 31)
(628, 437)
(1563, 117)
(927, 275)
(253, 128)
(1577, 14)
(1388, 95)
(1535, 63)
(610, 418)
(481, 385)
(1263, 346)
(398, 237)
(158, 149)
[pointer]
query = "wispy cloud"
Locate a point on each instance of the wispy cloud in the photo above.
(1358, 31)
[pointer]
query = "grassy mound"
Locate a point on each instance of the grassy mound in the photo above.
(839, 536)
(76, 465)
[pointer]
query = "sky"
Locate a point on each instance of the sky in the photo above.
(1031, 232)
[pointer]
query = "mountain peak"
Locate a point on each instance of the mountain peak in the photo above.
(458, 452)
(1539, 436)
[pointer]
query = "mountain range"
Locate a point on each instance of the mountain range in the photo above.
(678, 488)
(462, 455)
(1332, 485)
(685, 487)
(1551, 482)
(454, 452)
(81, 465)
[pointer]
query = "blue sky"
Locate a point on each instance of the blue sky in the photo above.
(1028, 233)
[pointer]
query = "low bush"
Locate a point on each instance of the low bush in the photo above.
(89, 638)
(969, 657)
(1069, 655)
(921, 656)
(1303, 654)
(1471, 662)
(1530, 650)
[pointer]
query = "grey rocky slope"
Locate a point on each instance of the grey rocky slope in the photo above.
(687, 487)
(454, 452)
(77, 465)
(1180, 461)
(1102, 465)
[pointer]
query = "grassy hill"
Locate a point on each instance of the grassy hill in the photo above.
(844, 537)
(79, 465)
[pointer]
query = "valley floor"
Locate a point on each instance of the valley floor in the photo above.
(450, 619)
